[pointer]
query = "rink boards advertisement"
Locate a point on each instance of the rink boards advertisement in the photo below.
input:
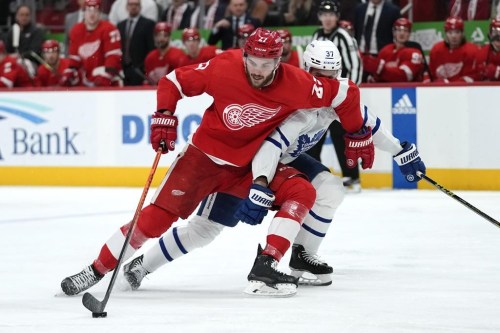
(101, 137)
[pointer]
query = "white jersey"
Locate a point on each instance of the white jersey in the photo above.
(302, 130)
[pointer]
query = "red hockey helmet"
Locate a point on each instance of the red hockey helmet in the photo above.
(50, 45)
(2, 47)
(454, 23)
(347, 25)
(263, 43)
(285, 35)
(190, 34)
(402, 23)
(495, 24)
(93, 3)
(163, 27)
(245, 30)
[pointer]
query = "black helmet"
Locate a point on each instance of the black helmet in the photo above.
(329, 6)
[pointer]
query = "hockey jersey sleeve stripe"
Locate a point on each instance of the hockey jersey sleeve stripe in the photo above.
(178, 241)
(75, 57)
(377, 125)
(8, 83)
(319, 218)
(283, 137)
(365, 115)
(173, 78)
(312, 231)
(274, 142)
(341, 93)
(408, 72)
(113, 52)
(164, 250)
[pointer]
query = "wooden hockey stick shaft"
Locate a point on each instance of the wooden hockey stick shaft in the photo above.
(89, 301)
(456, 197)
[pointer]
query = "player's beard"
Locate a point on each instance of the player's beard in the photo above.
(262, 80)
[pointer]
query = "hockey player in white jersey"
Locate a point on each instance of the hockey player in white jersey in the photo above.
(286, 144)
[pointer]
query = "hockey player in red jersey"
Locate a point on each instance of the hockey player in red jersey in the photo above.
(195, 53)
(396, 62)
(488, 58)
(12, 74)
(51, 72)
(251, 92)
(164, 58)
(453, 59)
(290, 56)
(95, 49)
(244, 32)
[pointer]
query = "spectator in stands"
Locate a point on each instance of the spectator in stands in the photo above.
(164, 58)
(258, 9)
(226, 30)
(51, 72)
(137, 41)
(488, 58)
(289, 56)
(243, 32)
(396, 62)
(470, 9)
(373, 22)
(11, 73)
(215, 10)
(195, 53)
(300, 12)
(30, 40)
(329, 14)
(454, 58)
(425, 10)
(95, 49)
(119, 11)
(178, 14)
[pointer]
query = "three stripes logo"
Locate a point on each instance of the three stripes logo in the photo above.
(404, 106)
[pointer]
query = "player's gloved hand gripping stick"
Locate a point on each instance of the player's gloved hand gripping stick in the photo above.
(253, 209)
(359, 145)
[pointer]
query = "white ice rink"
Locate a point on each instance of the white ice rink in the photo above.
(404, 261)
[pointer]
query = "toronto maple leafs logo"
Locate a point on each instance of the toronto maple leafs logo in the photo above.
(237, 116)
(305, 142)
(88, 49)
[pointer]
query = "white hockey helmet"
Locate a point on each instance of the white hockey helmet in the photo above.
(324, 55)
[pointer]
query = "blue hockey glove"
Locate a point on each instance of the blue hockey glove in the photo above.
(409, 162)
(253, 209)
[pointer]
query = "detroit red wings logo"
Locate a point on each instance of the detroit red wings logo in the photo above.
(449, 69)
(88, 49)
(236, 116)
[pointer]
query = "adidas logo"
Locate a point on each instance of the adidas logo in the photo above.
(404, 106)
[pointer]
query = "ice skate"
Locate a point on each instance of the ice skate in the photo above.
(351, 185)
(134, 272)
(82, 281)
(265, 280)
(309, 269)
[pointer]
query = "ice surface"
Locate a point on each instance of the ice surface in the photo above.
(404, 261)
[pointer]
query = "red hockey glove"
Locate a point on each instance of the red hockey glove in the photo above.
(163, 132)
(69, 77)
(373, 65)
(359, 145)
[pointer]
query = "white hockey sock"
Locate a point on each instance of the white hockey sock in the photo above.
(329, 195)
(181, 240)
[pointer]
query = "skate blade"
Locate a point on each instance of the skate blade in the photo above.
(310, 279)
(258, 288)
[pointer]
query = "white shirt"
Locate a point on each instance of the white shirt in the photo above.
(119, 11)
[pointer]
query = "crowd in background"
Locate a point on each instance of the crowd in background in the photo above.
(127, 42)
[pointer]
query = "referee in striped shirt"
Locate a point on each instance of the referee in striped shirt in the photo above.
(329, 16)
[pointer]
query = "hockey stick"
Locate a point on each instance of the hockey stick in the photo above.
(456, 197)
(41, 61)
(88, 300)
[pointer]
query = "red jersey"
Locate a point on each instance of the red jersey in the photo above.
(294, 59)
(157, 65)
(206, 53)
(241, 117)
(13, 74)
(401, 65)
(453, 65)
(90, 50)
(488, 57)
(47, 78)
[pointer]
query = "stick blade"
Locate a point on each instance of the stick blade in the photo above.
(92, 303)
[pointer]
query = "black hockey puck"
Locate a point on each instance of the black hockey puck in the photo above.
(99, 314)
